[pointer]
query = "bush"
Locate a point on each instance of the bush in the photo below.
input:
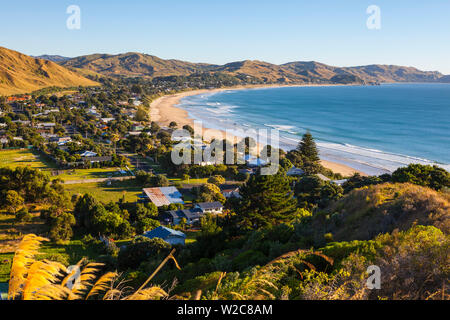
(23, 215)
(140, 250)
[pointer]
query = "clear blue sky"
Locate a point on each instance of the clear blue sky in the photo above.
(413, 33)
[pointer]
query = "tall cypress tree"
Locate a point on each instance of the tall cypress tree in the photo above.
(266, 201)
(309, 153)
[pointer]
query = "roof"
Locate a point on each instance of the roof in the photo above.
(295, 172)
(163, 195)
(322, 177)
(163, 233)
(186, 213)
(88, 154)
(209, 205)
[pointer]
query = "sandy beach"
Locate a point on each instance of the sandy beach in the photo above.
(163, 111)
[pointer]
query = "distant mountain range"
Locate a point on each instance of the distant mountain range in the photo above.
(20, 73)
(54, 58)
(134, 64)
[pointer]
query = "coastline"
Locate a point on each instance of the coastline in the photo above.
(163, 110)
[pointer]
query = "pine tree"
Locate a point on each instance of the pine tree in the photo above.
(266, 201)
(309, 153)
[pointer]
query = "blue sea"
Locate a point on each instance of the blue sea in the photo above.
(375, 129)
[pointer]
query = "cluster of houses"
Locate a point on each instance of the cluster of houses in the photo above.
(161, 196)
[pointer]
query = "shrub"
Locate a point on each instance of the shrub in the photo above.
(23, 215)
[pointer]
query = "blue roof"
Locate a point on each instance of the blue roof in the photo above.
(163, 233)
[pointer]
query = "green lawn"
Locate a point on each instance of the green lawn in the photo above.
(95, 173)
(191, 236)
(23, 158)
(5, 266)
(105, 193)
(189, 181)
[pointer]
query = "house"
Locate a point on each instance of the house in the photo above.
(339, 182)
(230, 191)
(210, 207)
(161, 196)
(245, 171)
(46, 127)
(96, 159)
(87, 154)
(252, 161)
(106, 120)
(137, 127)
(22, 122)
(61, 140)
(295, 171)
(322, 177)
(169, 235)
(174, 217)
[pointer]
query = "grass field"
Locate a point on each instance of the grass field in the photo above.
(23, 158)
(95, 173)
(105, 193)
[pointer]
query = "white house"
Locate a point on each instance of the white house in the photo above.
(210, 207)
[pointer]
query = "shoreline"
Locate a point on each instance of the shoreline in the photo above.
(163, 110)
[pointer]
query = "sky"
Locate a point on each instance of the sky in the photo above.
(412, 32)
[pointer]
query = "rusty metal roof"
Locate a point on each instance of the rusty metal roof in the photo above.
(163, 195)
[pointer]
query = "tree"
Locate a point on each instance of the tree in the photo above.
(424, 175)
(266, 201)
(189, 129)
(311, 191)
(209, 193)
(140, 250)
(141, 115)
(23, 215)
(13, 201)
(154, 127)
(310, 155)
(173, 124)
(217, 180)
(61, 227)
(146, 224)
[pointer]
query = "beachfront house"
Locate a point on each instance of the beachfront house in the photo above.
(171, 236)
(209, 207)
(161, 196)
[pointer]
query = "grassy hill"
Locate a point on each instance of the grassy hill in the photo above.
(20, 73)
(369, 211)
(134, 64)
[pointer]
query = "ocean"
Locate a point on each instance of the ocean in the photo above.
(375, 129)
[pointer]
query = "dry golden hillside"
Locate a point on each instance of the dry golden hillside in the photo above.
(369, 211)
(20, 73)
(132, 64)
(366, 212)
